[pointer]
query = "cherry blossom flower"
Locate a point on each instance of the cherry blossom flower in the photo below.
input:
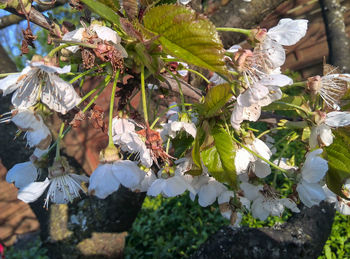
(124, 134)
(207, 189)
(64, 186)
(330, 87)
(170, 129)
(102, 32)
(244, 160)
(107, 177)
(39, 81)
(341, 205)
(226, 209)
(172, 182)
(37, 134)
(321, 135)
(312, 172)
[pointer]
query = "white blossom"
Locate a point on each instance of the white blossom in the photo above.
(313, 170)
(22, 174)
(102, 32)
(107, 177)
(37, 82)
(124, 134)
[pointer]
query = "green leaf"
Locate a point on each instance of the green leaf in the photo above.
(3, 5)
(220, 158)
(182, 143)
(186, 35)
(102, 10)
(338, 157)
(196, 146)
(226, 149)
(215, 99)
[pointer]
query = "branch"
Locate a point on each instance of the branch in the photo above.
(303, 236)
(338, 42)
(240, 14)
(187, 89)
(8, 20)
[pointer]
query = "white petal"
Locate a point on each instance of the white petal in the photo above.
(175, 186)
(258, 210)
(27, 120)
(9, 84)
(261, 168)
(207, 195)
(50, 69)
(27, 93)
(103, 182)
(22, 174)
(288, 203)
(33, 191)
(273, 206)
(310, 193)
(251, 192)
(275, 53)
(225, 196)
(242, 160)
(338, 119)
(326, 135)
(252, 113)
(156, 188)
(40, 138)
(120, 126)
(129, 174)
(106, 33)
(59, 95)
(276, 80)
(76, 35)
(261, 148)
(288, 31)
(237, 116)
(315, 167)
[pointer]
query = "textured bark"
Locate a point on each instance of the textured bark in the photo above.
(240, 14)
(338, 42)
(303, 236)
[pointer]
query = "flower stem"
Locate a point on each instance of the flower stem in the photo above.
(180, 90)
(102, 84)
(86, 72)
(143, 93)
(269, 130)
(111, 106)
(58, 141)
(197, 73)
(239, 30)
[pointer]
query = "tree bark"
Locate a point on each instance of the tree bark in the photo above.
(302, 236)
(338, 41)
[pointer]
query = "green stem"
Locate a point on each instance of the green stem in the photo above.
(294, 106)
(68, 43)
(239, 30)
(257, 155)
(143, 93)
(102, 84)
(180, 90)
(85, 73)
(198, 74)
(167, 146)
(58, 141)
(269, 130)
(111, 107)
(163, 113)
